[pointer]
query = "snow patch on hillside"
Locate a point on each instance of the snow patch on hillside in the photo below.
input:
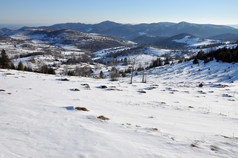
(156, 51)
(194, 42)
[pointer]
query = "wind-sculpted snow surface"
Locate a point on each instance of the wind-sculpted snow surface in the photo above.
(173, 117)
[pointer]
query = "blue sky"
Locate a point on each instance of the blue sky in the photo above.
(47, 12)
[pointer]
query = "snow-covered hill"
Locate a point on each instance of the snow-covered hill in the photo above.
(169, 116)
(192, 41)
(180, 41)
(90, 41)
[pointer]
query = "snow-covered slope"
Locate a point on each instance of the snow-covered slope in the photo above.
(195, 41)
(169, 116)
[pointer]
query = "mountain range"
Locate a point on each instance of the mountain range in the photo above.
(159, 34)
(164, 29)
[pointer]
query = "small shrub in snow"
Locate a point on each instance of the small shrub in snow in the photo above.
(102, 117)
(64, 79)
(9, 73)
(81, 108)
(214, 148)
(142, 91)
(200, 85)
(103, 86)
(86, 85)
(230, 137)
(150, 88)
(114, 89)
(155, 129)
(193, 145)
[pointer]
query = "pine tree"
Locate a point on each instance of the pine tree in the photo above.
(25, 68)
(195, 61)
(44, 69)
(4, 60)
(51, 71)
(20, 66)
(12, 66)
(166, 61)
(159, 62)
(101, 75)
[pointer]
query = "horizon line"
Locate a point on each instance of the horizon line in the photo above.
(39, 25)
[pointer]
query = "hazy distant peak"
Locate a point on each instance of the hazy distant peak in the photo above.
(108, 22)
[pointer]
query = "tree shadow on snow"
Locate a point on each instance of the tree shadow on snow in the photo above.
(69, 108)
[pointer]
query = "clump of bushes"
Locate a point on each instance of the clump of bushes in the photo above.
(46, 70)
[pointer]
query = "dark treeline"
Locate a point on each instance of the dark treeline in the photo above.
(127, 52)
(224, 54)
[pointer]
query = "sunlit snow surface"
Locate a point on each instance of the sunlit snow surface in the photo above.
(174, 118)
(194, 41)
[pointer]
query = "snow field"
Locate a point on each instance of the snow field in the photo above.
(173, 118)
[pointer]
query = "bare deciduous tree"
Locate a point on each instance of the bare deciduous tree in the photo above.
(83, 71)
(132, 69)
(144, 76)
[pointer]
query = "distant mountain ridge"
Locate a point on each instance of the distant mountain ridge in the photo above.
(5, 31)
(86, 41)
(132, 31)
(157, 34)
(226, 36)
